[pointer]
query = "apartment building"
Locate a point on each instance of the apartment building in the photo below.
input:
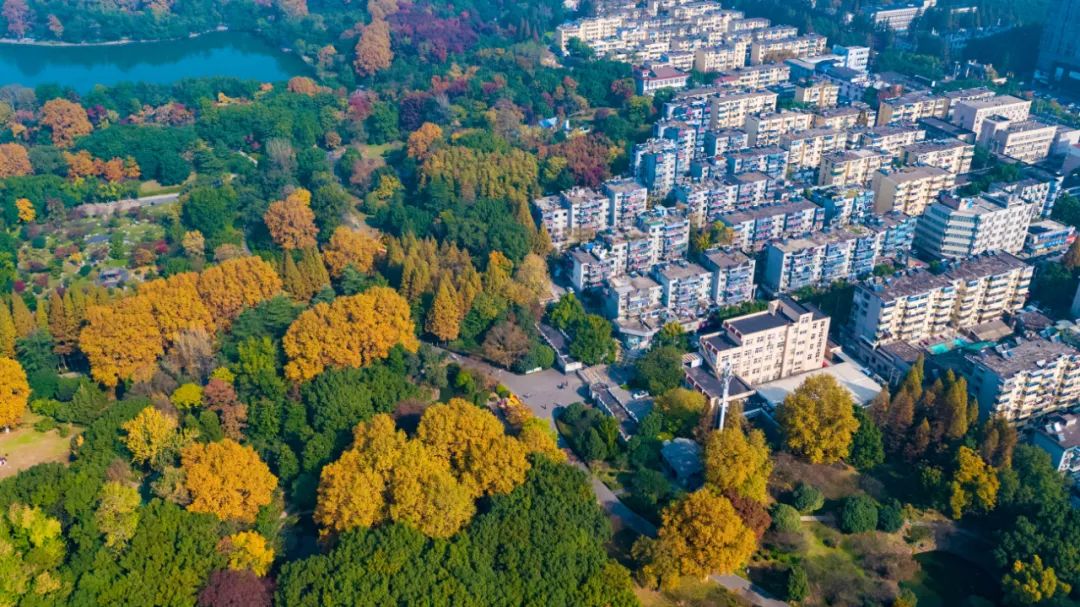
(843, 204)
(896, 18)
(955, 227)
(627, 199)
(732, 276)
(707, 199)
(1025, 381)
(629, 250)
(754, 227)
(1027, 141)
(1041, 191)
(754, 76)
(786, 339)
(952, 155)
(980, 93)
(686, 287)
(910, 189)
(718, 143)
(891, 138)
(770, 160)
(920, 304)
(766, 51)
(825, 257)
(719, 58)
(588, 269)
(806, 148)
(818, 93)
(971, 113)
(730, 110)
(767, 129)
(686, 145)
(856, 115)
(912, 107)
(853, 57)
(573, 215)
(1059, 435)
(851, 167)
(657, 77)
(669, 230)
(632, 297)
(1047, 237)
(587, 30)
(655, 163)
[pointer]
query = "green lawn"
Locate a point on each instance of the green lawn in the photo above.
(691, 593)
(946, 579)
(25, 447)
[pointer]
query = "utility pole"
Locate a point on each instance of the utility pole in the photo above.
(725, 379)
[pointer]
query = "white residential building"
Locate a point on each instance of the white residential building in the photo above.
(962, 227)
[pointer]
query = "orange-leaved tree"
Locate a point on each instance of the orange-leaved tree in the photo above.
(177, 305)
(14, 392)
(348, 332)
(292, 222)
(235, 284)
(122, 340)
(349, 247)
(227, 479)
(67, 120)
(14, 160)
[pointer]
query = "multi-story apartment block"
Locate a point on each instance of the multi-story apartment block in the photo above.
(719, 58)
(1047, 237)
(1027, 141)
(962, 227)
(754, 76)
(588, 269)
(912, 107)
(627, 199)
(718, 143)
(629, 250)
(920, 304)
(765, 51)
(554, 218)
(587, 30)
(856, 115)
(853, 57)
(953, 155)
(730, 110)
(910, 189)
(632, 297)
(588, 211)
(842, 253)
(755, 227)
(685, 138)
(806, 148)
(655, 164)
(769, 160)
(896, 18)
(844, 204)
(686, 286)
(652, 79)
(973, 94)
(1042, 192)
(733, 276)
(669, 230)
(851, 167)
(1025, 381)
(767, 129)
(1059, 435)
(817, 93)
(970, 114)
(891, 138)
(707, 199)
(775, 32)
(740, 24)
(787, 339)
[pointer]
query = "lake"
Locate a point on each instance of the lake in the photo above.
(81, 67)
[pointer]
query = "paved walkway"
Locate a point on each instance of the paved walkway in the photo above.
(742, 587)
(99, 209)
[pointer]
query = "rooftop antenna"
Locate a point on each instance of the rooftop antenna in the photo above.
(725, 378)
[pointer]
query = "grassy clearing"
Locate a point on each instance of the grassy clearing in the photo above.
(25, 447)
(690, 593)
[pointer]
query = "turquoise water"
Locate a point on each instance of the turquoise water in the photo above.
(215, 54)
(959, 342)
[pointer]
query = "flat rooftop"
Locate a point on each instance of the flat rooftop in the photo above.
(1026, 355)
(915, 282)
(862, 388)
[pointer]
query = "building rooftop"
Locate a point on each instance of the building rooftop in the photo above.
(722, 258)
(1026, 355)
(913, 173)
(1063, 429)
(863, 389)
(915, 282)
(623, 185)
(993, 102)
(683, 456)
(936, 145)
(680, 270)
(769, 210)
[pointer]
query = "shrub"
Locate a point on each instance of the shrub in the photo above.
(798, 585)
(858, 514)
(785, 519)
(807, 499)
(890, 516)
